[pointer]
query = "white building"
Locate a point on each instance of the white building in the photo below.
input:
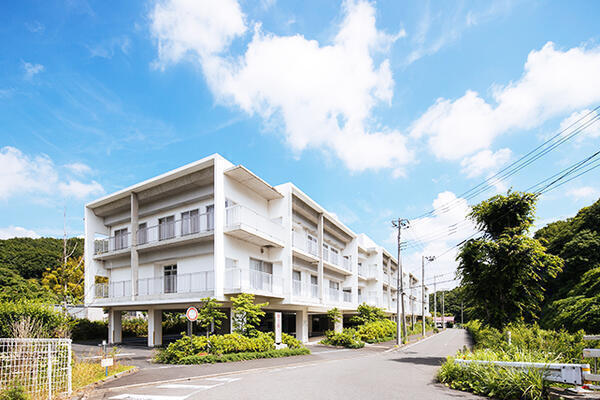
(211, 228)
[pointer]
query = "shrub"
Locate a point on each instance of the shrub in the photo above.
(51, 322)
(84, 329)
(134, 327)
(14, 392)
(347, 338)
(367, 313)
(376, 332)
(211, 358)
(289, 340)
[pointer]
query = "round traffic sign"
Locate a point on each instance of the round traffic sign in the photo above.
(192, 314)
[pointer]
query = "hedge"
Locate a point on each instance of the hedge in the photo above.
(51, 321)
(254, 355)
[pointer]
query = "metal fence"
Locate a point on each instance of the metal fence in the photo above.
(42, 367)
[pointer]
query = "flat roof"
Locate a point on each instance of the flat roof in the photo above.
(246, 177)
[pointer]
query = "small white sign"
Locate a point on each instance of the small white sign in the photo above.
(192, 314)
(107, 362)
(277, 327)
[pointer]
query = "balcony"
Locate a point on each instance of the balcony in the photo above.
(113, 290)
(372, 298)
(307, 245)
(197, 282)
(347, 297)
(182, 230)
(246, 224)
(239, 280)
(305, 291)
(335, 295)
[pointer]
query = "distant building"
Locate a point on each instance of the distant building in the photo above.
(211, 228)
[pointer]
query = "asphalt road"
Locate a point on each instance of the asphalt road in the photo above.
(406, 373)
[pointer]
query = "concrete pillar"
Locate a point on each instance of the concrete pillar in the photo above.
(133, 227)
(231, 324)
(320, 252)
(115, 331)
(219, 228)
(339, 326)
(302, 325)
(154, 327)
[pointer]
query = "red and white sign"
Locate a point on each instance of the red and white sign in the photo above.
(192, 314)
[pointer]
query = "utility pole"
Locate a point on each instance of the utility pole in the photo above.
(434, 302)
(423, 258)
(400, 331)
(443, 312)
(462, 306)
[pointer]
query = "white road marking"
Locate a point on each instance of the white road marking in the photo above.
(226, 380)
(146, 397)
(116, 356)
(184, 386)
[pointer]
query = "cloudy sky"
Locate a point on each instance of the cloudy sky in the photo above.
(375, 109)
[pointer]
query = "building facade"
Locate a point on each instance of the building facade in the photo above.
(214, 229)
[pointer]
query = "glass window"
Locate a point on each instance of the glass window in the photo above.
(142, 234)
(166, 227)
(262, 266)
(296, 275)
(120, 239)
(334, 285)
(170, 278)
(190, 222)
(314, 280)
(210, 217)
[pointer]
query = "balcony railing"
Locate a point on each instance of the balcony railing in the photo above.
(347, 297)
(115, 289)
(314, 291)
(113, 243)
(361, 299)
(239, 215)
(297, 287)
(301, 241)
(372, 298)
(181, 283)
(305, 290)
(334, 295)
(363, 271)
(347, 264)
(245, 279)
(176, 229)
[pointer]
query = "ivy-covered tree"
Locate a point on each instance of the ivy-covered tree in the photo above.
(504, 272)
(66, 281)
(245, 314)
(210, 316)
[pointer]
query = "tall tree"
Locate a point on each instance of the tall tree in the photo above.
(209, 315)
(246, 315)
(504, 272)
(66, 281)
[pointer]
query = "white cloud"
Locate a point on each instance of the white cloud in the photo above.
(554, 82)
(80, 190)
(321, 94)
(108, 48)
(17, 231)
(79, 168)
(32, 70)
(584, 193)
(23, 174)
(35, 27)
(484, 161)
(581, 118)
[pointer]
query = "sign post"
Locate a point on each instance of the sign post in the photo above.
(277, 327)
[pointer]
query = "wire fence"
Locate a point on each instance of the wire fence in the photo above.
(42, 367)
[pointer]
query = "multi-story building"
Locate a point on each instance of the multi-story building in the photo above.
(214, 229)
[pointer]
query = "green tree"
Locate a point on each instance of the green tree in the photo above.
(367, 313)
(209, 315)
(246, 315)
(334, 315)
(503, 273)
(66, 281)
(15, 288)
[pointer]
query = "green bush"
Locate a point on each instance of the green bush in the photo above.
(134, 327)
(84, 329)
(291, 341)
(52, 322)
(14, 392)
(347, 338)
(377, 332)
(211, 359)
(219, 345)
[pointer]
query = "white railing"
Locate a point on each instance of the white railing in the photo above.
(42, 367)
(239, 215)
(112, 289)
(244, 279)
(372, 298)
(314, 291)
(176, 229)
(334, 295)
(347, 297)
(297, 287)
(363, 271)
(113, 243)
(301, 241)
(361, 299)
(347, 264)
(195, 282)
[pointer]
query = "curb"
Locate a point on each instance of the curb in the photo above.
(85, 391)
(409, 345)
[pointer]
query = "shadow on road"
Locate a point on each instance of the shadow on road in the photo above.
(433, 361)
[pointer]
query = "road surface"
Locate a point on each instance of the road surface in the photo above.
(406, 373)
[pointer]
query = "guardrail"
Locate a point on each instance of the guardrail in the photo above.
(595, 354)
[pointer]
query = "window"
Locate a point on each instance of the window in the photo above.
(142, 234)
(334, 285)
(190, 222)
(261, 266)
(297, 283)
(231, 263)
(120, 238)
(166, 227)
(170, 278)
(314, 280)
(210, 217)
(261, 274)
(297, 276)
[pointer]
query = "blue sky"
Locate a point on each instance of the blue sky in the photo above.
(375, 109)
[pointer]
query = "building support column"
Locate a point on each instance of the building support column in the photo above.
(154, 327)
(133, 227)
(115, 331)
(219, 227)
(339, 326)
(302, 325)
(320, 253)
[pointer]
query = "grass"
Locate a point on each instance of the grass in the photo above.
(85, 373)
